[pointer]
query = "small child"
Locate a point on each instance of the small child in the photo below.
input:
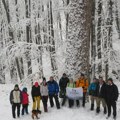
(25, 101)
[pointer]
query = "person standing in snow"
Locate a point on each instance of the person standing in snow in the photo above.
(15, 100)
(111, 97)
(92, 92)
(82, 82)
(63, 84)
(71, 84)
(44, 94)
(36, 96)
(25, 101)
(101, 93)
(53, 90)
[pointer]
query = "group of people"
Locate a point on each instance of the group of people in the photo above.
(99, 91)
(105, 93)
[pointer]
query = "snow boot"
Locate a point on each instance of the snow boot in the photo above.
(105, 110)
(92, 107)
(107, 117)
(98, 110)
(114, 117)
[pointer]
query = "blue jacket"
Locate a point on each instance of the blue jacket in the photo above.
(53, 87)
(92, 89)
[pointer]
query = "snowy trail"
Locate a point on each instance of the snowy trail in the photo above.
(64, 113)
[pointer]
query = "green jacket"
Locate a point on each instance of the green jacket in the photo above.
(71, 85)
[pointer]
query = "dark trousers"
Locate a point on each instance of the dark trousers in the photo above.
(25, 109)
(14, 106)
(56, 101)
(83, 100)
(44, 100)
(64, 100)
(77, 103)
(113, 105)
(71, 103)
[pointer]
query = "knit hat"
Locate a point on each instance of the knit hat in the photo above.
(110, 79)
(24, 89)
(36, 84)
(17, 86)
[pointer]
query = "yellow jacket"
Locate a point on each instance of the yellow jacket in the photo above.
(82, 82)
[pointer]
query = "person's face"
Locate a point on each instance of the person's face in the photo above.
(94, 80)
(64, 76)
(51, 78)
(44, 82)
(82, 77)
(16, 88)
(109, 82)
(100, 80)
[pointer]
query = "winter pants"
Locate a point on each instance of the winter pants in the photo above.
(44, 100)
(93, 99)
(36, 103)
(113, 105)
(56, 100)
(14, 106)
(24, 109)
(83, 100)
(64, 100)
(99, 100)
(71, 103)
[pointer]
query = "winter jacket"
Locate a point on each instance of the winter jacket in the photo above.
(92, 89)
(111, 93)
(63, 83)
(101, 93)
(53, 87)
(71, 85)
(35, 92)
(44, 90)
(25, 99)
(82, 83)
(15, 96)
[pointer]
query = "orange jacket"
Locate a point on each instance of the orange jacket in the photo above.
(82, 83)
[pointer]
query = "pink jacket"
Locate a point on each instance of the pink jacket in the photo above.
(25, 98)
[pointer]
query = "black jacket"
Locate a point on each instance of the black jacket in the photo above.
(111, 93)
(101, 93)
(35, 91)
(63, 83)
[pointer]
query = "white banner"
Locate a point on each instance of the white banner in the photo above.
(74, 93)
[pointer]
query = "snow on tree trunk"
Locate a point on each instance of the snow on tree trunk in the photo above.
(77, 60)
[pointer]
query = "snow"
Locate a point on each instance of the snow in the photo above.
(64, 113)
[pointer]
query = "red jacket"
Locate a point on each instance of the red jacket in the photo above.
(25, 99)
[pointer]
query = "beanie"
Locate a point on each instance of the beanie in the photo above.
(17, 86)
(110, 79)
(36, 84)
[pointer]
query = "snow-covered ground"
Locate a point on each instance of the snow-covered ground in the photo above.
(64, 113)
